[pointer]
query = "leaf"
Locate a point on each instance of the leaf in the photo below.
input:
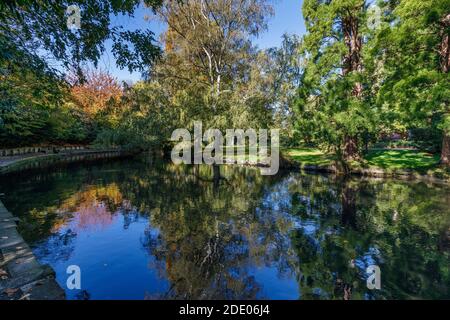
(10, 291)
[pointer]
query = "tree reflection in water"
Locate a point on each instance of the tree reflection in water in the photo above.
(213, 236)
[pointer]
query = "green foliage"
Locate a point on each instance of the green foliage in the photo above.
(35, 104)
(414, 87)
(143, 120)
(328, 109)
(42, 25)
(427, 138)
(399, 67)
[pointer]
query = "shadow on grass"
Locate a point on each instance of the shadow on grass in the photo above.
(402, 159)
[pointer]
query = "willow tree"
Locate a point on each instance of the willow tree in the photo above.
(208, 52)
(414, 47)
(332, 101)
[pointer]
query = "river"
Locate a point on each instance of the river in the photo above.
(144, 228)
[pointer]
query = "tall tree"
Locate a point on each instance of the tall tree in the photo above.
(211, 33)
(331, 97)
(413, 46)
(208, 53)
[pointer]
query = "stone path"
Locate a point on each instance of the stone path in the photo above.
(22, 277)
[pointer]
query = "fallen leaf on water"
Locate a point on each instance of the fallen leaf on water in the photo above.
(10, 291)
(3, 272)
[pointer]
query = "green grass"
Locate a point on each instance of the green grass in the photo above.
(381, 158)
(244, 157)
(402, 159)
(309, 156)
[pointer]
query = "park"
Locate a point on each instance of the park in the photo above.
(225, 150)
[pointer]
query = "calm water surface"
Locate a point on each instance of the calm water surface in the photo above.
(146, 229)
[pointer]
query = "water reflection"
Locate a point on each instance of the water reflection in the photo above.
(146, 229)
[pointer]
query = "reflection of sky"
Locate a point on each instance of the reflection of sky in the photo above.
(123, 256)
(113, 264)
(116, 264)
(273, 286)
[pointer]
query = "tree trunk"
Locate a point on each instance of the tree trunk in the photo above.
(445, 153)
(353, 41)
(352, 63)
(444, 50)
(216, 176)
(351, 149)
(348, 201)
(444, 53)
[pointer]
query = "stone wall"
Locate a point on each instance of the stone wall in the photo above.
(42, 149)
(22, 277)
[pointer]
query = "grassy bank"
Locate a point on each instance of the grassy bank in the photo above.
(384, 162)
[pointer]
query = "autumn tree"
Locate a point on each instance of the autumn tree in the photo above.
(208, 52)
(97, 89)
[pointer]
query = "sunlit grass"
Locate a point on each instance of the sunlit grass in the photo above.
(309, 156)
(401, 159)
(242, 155)
(383, 158)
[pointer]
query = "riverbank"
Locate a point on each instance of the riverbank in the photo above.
(35, 160)
(379, 163)
(22, 277)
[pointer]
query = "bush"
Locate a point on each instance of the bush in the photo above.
(427, 139)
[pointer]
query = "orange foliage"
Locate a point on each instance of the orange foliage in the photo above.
(92, 208)
(96, 91)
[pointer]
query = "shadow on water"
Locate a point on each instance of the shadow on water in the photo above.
(143, 228)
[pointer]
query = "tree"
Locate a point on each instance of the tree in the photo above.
(212, 33)
(93, 94)
(40, 25)
(413, 45)
(208, 51)
(331, 95)
(275, 77)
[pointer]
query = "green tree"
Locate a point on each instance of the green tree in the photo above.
(207, 57)
(37, 25)
(332, 101)
(413, 47)
(34, 37)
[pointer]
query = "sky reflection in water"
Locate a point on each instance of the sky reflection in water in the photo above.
(146, 229)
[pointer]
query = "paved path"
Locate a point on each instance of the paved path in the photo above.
(22, 277)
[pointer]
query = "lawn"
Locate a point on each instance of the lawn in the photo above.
(401, 159)
(309, 156)
(380, 158)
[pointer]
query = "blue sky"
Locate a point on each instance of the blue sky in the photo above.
(287, 19)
